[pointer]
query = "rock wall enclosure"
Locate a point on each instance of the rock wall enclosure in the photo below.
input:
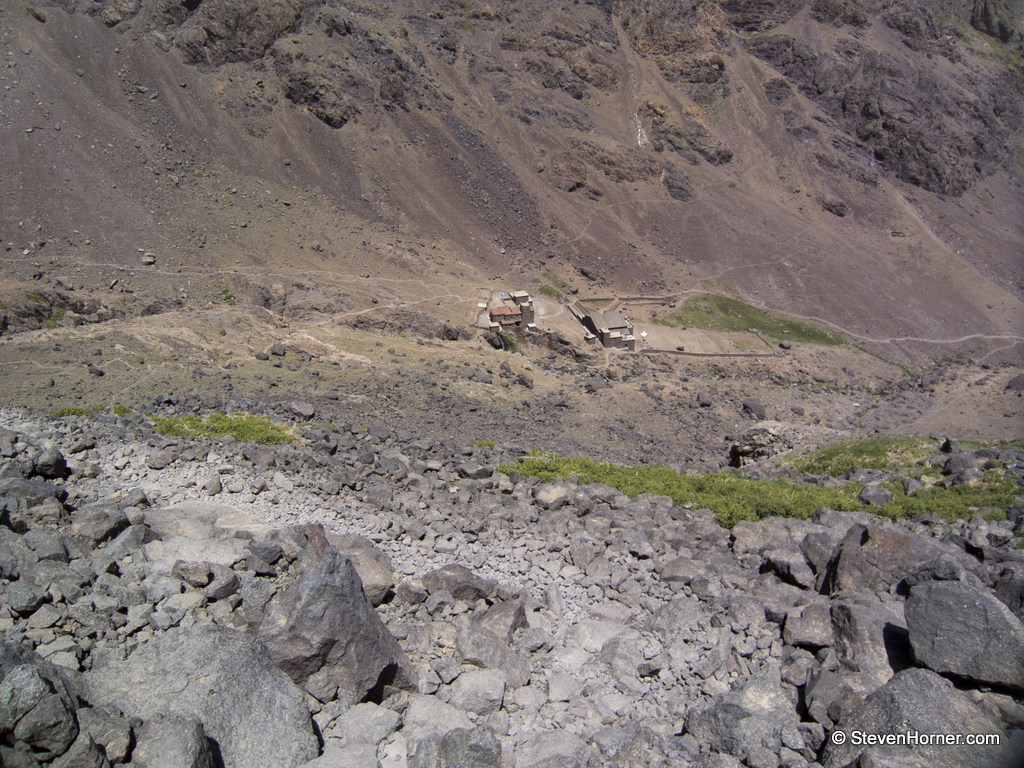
(370, 599)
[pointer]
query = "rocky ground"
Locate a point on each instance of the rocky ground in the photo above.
(367, 598)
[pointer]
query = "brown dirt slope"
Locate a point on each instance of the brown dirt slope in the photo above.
(834, 159)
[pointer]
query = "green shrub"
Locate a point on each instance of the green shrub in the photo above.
(733, 497)
(485, 444)
(244, 428)
(871, 453)
(55, 318)
(120, 410)
(729, 495)
(72, 410)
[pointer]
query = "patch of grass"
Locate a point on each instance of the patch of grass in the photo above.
(485, 444)
(72, 410)
(3, 307)
(958, 502)
(733, 497)
(730, 496)
(1018, 155)
(551, 292)
(244, 428)
(509, 342)
(871, 453)
(36, 298)
(224, 295)
(55, 318)
(120, 410)
(714, 312)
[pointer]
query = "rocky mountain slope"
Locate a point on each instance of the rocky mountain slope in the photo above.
(854, 162)
(366, 599)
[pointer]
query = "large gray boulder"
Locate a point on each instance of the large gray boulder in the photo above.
(325, 622)
(870, 642)
(221, 678)
(956, 629)
(37, 708)
(918, 701)
(878, 559)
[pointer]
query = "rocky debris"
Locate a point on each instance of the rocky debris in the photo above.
(370, 598)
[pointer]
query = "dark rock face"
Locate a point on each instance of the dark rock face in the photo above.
(901, 114)
(922, 701)
(37, 709)
(958, 630)
(325, 621)
(878, 559)
(221, 678)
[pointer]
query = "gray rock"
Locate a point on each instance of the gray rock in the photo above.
(750, 716)
(304, 410)
(277, 349)
(875, 496)
(37, 707)
(51, 464)
(84, 753)
(552, 495)
(956, 629)
(474, 470)
(754, 407)
(829, 697)
(877, 559)
(162, 458)
(366, 723)
(918, 700)
(502, 619)
(172, 741)
(220, 677)
(480, 691)
(791, 566)
(459, 748)
(460, 582)
(809, 626)
(871, 642)
(99, 522)
(549, 748)
(325, 620)
(485, 649)
(109, 730)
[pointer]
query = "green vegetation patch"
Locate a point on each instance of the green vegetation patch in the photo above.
(550, 292)
(56, 318)
(714, 312)
(36, 298)
(958, 502)
(244, 428)
(72, 410)
(733, 497)
(485, 444)
(871, 453)
(730, 496)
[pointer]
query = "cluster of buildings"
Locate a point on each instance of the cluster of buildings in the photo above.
(611, 329)
(515, 308)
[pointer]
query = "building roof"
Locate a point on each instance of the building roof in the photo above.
(608, 321)
(506, 311)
